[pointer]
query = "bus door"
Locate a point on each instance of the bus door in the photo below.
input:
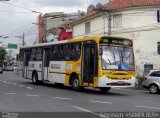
(25, 67)
(90, 61)
(45, 63)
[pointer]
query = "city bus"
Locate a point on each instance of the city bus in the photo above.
(95, 61)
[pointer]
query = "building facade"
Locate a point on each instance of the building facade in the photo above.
(54, 26)
(138, 20)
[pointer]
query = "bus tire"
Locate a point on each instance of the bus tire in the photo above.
(35, 79)
(104, 89)
(75, 83)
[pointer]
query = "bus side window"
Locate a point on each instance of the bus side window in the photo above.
(75, 51)
(33, 54)
(62, 55)
(27, 57)
(55, 52)
(66, 51)
(21, 55)
(39, 54)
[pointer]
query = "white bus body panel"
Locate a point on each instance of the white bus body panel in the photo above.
(57, 71)
(37, 66)
(46, 73)
(26, 72)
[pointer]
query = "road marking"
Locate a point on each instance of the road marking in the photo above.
(29, 88)
(9, 93)
(4, 81)
(21, 85)
(9, 82)
(85, 110)
(147, 107)
(31, 95)
(15, 84)
(130, 89)
(62, 98)
(101, 102)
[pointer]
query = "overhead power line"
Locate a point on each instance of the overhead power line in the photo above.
(21, 7)
(19, 29)
(15, 12)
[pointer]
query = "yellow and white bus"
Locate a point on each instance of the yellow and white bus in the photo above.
(97, 61)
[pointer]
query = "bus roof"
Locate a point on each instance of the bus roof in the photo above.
(96, 38)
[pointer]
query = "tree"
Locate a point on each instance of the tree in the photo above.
(2, 53)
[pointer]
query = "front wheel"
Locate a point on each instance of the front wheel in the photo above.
(104, 89)
(153, 89)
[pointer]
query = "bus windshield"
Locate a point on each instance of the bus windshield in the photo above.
(117, 58)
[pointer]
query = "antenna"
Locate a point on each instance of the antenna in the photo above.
(99, 6)
(91, 7)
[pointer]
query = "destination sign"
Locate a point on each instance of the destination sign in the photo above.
(116, 41)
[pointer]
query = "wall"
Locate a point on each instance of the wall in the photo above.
(41, 28)
(64, 35)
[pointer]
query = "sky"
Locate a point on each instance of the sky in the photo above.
(17, 16)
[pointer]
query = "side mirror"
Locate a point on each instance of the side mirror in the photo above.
(100, 51)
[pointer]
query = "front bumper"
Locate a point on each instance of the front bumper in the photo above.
(107, 82)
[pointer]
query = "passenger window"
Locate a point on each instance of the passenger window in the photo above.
(39, 54)
(75, 51)
(55, 55)
(155, 74)
(33, 54)
(158, 74)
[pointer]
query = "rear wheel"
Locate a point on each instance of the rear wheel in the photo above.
(76, 83)
(35, 79)
(104, 89)
(153, 89)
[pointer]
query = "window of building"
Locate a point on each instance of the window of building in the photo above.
(147, 68)
(117, 20)
(158, 47)
(87, 27)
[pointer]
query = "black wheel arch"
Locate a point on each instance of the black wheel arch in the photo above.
(34, 72)
(71, 77)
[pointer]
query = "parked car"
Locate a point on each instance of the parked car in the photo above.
(152, 81)
(9, 68)
(15, 67)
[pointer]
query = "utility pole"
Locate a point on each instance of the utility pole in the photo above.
(22, 38)
(109, 18)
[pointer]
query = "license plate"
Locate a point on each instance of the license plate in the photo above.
(120, 82)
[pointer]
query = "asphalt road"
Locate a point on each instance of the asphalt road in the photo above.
(20, 95)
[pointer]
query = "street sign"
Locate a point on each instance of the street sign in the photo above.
(12, 46)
